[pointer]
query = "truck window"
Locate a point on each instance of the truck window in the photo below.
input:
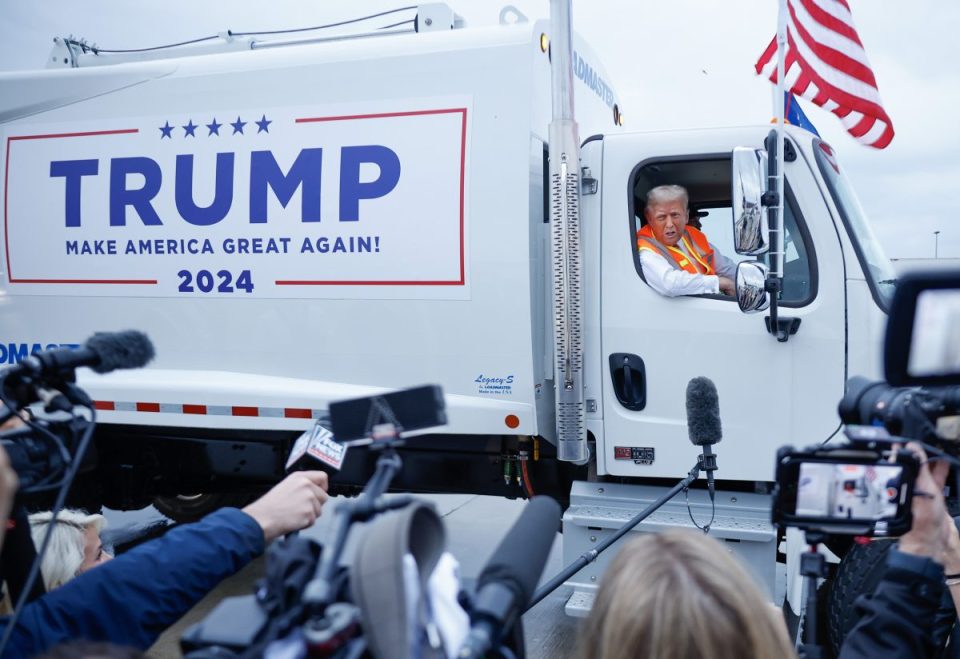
(708, 184)
(798, 271)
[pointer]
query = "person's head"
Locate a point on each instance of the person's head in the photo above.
(74, 547)
(680, 595)
(666, 213)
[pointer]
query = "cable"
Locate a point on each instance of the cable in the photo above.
(713, 511)
(97, 51)
(57, 507)
(86, 47)
(387, 27)
(323, 27)
(832, 435)
(527, 484)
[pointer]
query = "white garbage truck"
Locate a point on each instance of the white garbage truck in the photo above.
(296, 220)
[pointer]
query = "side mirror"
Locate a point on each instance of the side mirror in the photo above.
(750, 225)
(751, 286)
(923, 333)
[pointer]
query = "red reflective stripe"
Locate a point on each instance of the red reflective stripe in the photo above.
(297, 413)
(194, 409)
(148, 407)
(106, 405)
(245, 411)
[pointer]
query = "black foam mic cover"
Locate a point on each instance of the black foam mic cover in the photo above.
(128, 349)
(703, 412)
(103, 352)
(521, 556)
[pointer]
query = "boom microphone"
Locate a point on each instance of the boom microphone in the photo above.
(703, 423)
(103, 352)
(506, 584)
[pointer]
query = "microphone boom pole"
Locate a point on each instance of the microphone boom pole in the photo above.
(590, 556)
(703, 421)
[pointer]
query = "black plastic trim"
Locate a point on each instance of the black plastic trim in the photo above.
(851, 235)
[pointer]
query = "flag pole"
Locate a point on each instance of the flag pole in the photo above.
(778, 108)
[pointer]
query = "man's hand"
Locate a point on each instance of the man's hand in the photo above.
(292, 504)
(928, 535)
(727, 287)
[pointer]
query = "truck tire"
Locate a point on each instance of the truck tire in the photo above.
(192, 507)
(858, 574)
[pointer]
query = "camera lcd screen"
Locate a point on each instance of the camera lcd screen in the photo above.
(839, 491)
(935, 344)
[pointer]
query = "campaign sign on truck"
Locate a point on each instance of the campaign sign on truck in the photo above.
(250, 202)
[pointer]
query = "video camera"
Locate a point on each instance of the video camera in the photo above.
(51, 446)
(309, 604)
(54, 436)
(864, 486)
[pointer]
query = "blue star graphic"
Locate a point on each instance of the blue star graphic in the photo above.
(165, 130)
(214, 128)
(262, 124)
(189, 129)
(238, 126)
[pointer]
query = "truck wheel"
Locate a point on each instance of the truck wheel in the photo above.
(192, 507)
(858, 574)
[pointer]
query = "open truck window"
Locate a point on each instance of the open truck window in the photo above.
(708, 184)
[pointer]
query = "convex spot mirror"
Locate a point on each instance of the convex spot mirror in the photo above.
(750, 224)
(923, 333)
(751, 286)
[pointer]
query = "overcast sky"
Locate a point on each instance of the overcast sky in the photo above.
(674, 64)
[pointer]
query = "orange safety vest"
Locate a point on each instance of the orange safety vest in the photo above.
(694, 240)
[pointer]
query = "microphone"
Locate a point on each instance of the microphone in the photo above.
(703, 423)
(103, 352)
(506, 584)
(320, 444)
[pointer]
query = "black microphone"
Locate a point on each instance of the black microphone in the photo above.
(703, 423)
(103, 352)
(506, 584)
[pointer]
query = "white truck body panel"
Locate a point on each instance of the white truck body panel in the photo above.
(449, 286)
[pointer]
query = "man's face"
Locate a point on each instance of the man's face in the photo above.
(667, 221)
(93, 552)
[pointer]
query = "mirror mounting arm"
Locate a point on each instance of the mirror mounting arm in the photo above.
(770, 199)
(781, 327)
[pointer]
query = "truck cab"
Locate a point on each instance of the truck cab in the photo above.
(836, 288)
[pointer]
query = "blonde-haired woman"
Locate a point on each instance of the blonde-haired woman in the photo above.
(74, 547)
(680, 595)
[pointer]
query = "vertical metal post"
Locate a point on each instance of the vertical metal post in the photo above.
(936, 244)
(565, 248)
(776, 228)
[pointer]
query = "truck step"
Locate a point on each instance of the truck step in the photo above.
(598, 510)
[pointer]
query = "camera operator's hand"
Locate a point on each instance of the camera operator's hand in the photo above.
(928, 535)
(951, 554)
(292, 504)
(13, 422)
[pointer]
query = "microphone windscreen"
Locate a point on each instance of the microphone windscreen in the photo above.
(129, 349)
(703, 412)
(521, 556)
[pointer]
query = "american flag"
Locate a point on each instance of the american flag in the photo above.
(825, 63)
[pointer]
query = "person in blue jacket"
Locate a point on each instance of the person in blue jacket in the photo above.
(132, 599)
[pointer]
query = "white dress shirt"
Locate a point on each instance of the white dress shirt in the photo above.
(672, 282)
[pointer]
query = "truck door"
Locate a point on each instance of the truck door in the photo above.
(771, 393)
